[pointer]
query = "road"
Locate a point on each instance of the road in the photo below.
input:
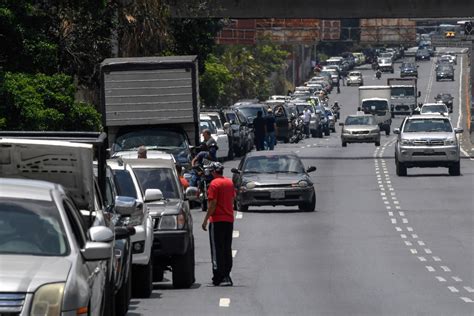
(378, 244)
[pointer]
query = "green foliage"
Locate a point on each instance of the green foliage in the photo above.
(213, 83)
(41, 102)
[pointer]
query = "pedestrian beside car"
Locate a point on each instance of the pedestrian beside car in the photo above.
(141, 154)
(203, 158)
(306, 120)
(271, 129)
(210, 142)
(220, 215)
(259, 125)
(182, 180)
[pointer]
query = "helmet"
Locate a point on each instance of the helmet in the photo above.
(216, 166)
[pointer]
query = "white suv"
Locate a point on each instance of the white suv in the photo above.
(427, 141)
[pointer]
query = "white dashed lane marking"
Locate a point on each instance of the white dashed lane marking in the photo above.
(469, 289)
(224, 302)
(235, 234)
(453, 289)
(441, 279)
(430, 269)
(467, 300)
(239, 215)
(234, 253)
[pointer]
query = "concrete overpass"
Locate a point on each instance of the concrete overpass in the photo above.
(338, 9)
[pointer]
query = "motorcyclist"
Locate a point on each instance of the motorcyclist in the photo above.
(203, 158)
(336, 108)
(378, 73)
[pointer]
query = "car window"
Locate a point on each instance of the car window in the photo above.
(31, 227)
(434, 109)
(208, 124)
(124, 183)
(360, 120)
(216, 120)
(158, 178)
(273, 164)
(77, 224)
(231, 117)
(152, 139)
(427, 125)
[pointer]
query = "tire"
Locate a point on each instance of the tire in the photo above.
(286, 140)
(344, 144)
(455, 170)
(333, 130)
(387, 131)
(240, 207)
(393, 115)
(327, 132)
(158, 272)
(109, 301)
(377, 144)
(122, 298)
(183, 268)
(142, 283)
(401, 169)
(310, 206)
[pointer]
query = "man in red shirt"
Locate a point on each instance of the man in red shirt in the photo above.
(220, 214)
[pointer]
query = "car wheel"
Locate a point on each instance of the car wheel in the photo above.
(377, 144)
(393, 115)
(240, 207)
(333, 129)
(158, 272)
(387, 131)
(344, 144)
(183, 268)
(320, 133)
(327, 132)
(109, 298)
(310, 206)
(401, 169)
(122, 298)
(142, 283)
(455, 170)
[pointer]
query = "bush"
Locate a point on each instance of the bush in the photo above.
(40, 103)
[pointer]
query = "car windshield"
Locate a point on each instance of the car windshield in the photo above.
(124, 182)
(207, 124)
(402, 91)
(231, 117)
(217, 121)
(152, 139)
(408, 66)
(360, 120)
(31, 227)
(427, 125)
(355, 74)
(251, 112)
(445, 68)
(374, 105)
(158, 178)
(434, 109)
(273, 164)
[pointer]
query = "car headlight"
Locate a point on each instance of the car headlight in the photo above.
(406, 142)
(450, 141)
(303, 183)
(250, 185)
(168, 222)
(48, 299)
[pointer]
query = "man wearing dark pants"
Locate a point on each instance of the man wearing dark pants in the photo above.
(259, 124)
(220, 214)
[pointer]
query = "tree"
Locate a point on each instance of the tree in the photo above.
(212, 84)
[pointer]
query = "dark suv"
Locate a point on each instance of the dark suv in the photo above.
(445, 71)
(409, 70)
(422, 54)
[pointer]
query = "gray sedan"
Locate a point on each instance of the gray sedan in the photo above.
(50, 263)
(360, 129)
(265, 178)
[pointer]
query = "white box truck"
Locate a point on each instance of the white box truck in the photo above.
(376, 100)
(151, 101)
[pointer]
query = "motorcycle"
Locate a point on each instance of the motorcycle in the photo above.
(204, 179)
(378, 74)
(298, 130)
(335, 110)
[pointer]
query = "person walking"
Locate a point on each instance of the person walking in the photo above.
(220, 215)
(259, 131)
(306, 121)
(271, 129)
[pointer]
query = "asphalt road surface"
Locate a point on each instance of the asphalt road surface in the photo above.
(378, 244)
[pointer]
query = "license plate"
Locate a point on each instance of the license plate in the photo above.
(277, 195)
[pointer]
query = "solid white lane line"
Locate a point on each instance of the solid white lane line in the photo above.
(460, 96)
(457, 279)
(445, 269)
(441, 279)
(467, 300)
(224, 302)
(453, 289)
(421, 258)
(234, 253)
(430, 268)
(235, 234)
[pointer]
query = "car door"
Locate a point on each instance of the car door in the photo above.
(95, 271)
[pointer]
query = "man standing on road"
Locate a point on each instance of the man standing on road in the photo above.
(259, 131)
(220, 214)
(210, 142)
(306, 120)
(271, 129)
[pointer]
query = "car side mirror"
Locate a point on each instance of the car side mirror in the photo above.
(311, 169)
(191, 194)
(94, 251)
(396, 131)
(100, 234)
(126, 206)
(235, 170)
(226, 125)
(152, 195)
(341, 124)
(458, 130)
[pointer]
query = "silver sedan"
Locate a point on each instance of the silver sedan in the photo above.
(360, 129)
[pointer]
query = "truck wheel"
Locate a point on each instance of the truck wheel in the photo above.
(142, 283)
(377, 144)
(310, 206)
(401, 169)
(455, 170)
(240, 207)
(158, 272)
(183, 269)
(109, 298)
(122, 298)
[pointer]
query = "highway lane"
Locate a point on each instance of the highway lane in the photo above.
(360, 253)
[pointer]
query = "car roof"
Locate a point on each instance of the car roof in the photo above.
(425, 117)
(270, 153)
(150, 163)
(28, 189)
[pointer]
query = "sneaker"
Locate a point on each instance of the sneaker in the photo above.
(227, 282)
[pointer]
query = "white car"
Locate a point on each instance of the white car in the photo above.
(435, 108)
(452, 58)
(220, 136)
(355, 78)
